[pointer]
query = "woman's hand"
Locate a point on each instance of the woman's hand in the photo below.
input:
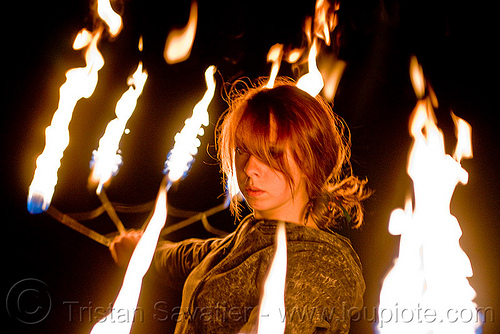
(123, 246)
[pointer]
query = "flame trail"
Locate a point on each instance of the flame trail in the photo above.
(272, 306)
(180, 158)
(427, 290)
(106, 160)
(110, 17)
(274, 55)
(80, 83)
(126, 301)
(186, 145)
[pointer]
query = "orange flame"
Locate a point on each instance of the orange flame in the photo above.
(106, 159)
(80, 83)
(274, 55)
(186, 142)
(294, 55)
(126, 301)
(180, 41)
(464, 142)
(431, 271)
(332, 79)
(319, 28)
(272, 306)
(325, 20)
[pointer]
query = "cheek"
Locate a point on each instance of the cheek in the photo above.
(279, 184)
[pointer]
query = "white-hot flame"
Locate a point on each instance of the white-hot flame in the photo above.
(180, 41)
(312, 82)
(427, 290)
(272, 305)
(274, 56)
(109, 16)
(80, 83)
(83, 38)
(106, 159)
(187, 142)
(126, 301)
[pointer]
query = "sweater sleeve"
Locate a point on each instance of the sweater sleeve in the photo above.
(175, 261)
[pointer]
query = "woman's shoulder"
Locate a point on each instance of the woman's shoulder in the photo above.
(296, 233)
(317, 249)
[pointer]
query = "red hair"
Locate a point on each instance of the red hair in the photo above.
(270, 121)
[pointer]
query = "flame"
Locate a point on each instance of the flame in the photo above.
(140, 45)
(332, 79)
(464, 142)
(80, 83)
(106, 159)
(274, 55)
(83, 38)
(180, 41)
(417, 77)
(126, 301)
(431, 271)
(186, 142)
(272, 306)
(324, 20)
(312, 82)
(109, 16)
(294, 55)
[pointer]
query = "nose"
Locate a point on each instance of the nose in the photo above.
(253, 167)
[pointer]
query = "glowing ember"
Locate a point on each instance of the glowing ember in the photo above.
(126, 301)
(180, 41)
(108, 15)
(272, 306)
(106, 159)
(186, 142)
(274, 55)
(312, 82)
(80, 83)
(427, 290)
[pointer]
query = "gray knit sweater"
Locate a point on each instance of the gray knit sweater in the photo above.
(223, 279)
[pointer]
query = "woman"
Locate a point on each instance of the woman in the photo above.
(288, 154)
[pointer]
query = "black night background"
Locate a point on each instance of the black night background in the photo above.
(455, 43)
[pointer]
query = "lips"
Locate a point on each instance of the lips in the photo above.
(253, 191)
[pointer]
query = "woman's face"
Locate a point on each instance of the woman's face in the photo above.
(267, 190)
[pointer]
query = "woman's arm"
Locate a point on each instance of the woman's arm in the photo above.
(176, 260)
(123, 245)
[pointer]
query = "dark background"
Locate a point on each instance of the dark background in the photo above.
(453, 41)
